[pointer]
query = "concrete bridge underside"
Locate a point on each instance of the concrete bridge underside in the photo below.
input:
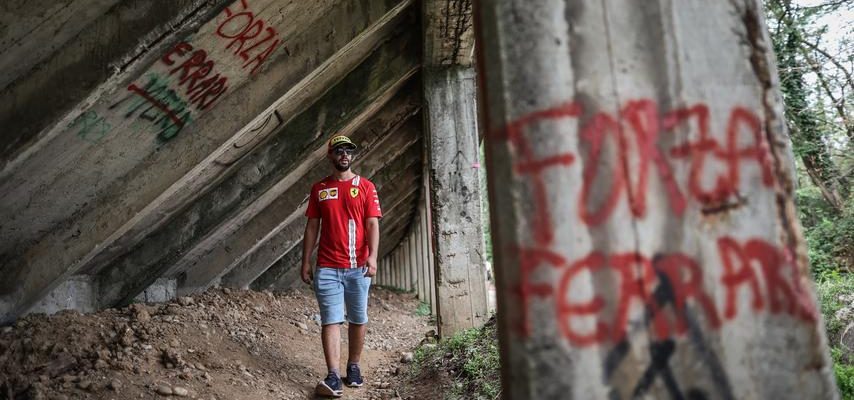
(171, 146)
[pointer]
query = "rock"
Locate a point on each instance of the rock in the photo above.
(385, 385)
(163, 390)
(114, 385)
(140, 313)
(406, 357)
(302, 326)
(180, 391)
(7, 329)
(175, 343)
(36, 392)
(101, 364)
(185, 301)
(226, 290)
(84, 384)
(846, 340)
(171, 358)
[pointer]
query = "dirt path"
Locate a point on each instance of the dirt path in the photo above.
(221, 344)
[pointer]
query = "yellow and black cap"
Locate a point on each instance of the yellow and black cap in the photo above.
(341, 140)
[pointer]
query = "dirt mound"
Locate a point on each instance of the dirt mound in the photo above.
(221, 344)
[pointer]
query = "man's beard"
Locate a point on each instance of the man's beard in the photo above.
(340, 167)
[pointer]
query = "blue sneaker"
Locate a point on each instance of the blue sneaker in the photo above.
(354, 376)
(330, 387)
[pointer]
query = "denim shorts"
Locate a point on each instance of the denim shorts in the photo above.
(334, 287)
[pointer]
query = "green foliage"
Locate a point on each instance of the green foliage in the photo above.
(423, 309)
(832, 293)
(829, 234)
(469, 358)
(844, 374)
(835, 292)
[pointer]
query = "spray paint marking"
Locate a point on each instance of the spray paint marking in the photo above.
(244, 26)
(634, 132)
(92, 127)
(157, 103)
(637, 277)
(200, 89)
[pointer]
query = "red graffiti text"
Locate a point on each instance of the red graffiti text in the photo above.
(634, 132)
(664, 285)
(249, 37)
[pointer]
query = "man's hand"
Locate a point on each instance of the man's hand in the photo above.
(372, 267)
(307, 274)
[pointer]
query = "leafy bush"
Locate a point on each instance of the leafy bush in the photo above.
(844, 374)
(471, 360)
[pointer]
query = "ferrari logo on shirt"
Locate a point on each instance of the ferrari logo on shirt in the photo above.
(354, 192)
(327, 194)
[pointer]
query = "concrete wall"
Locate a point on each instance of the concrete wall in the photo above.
(147, 141)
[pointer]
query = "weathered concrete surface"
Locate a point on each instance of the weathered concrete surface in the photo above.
(77, 293)
(449, 37)
(451, 120)
(161, 290)
(269, 169)
(646, 241)
(123, 186)
(49, 45)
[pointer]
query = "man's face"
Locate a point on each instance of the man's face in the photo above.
(341, 157)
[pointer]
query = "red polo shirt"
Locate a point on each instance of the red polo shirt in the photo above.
(343, 207)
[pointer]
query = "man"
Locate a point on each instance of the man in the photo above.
(346, 208)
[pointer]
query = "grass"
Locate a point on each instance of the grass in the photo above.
(423, 309)
(835, 292)
(470, 359)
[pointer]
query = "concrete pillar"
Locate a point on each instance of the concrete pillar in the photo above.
(77, 293)
(423, 259)
(640, 184)
(395, 264)
(406, 270)
(410, 284)
(387, 270)
(401, 277)
(431, 267)
(419, 257)
(397, 267)
(162, 290)
(451, 121)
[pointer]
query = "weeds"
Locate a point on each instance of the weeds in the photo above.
(423, 309)
(470, 358)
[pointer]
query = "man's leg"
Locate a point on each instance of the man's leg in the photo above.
(356, 336)
(329, 290)
(331, 336)
(356, 287)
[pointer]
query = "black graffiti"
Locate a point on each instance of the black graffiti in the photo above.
(661, 351)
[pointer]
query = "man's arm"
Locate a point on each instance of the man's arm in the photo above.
(372, 229)
(308, 240)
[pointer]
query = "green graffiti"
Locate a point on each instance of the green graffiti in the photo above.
(156, 104)
(90, 126)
